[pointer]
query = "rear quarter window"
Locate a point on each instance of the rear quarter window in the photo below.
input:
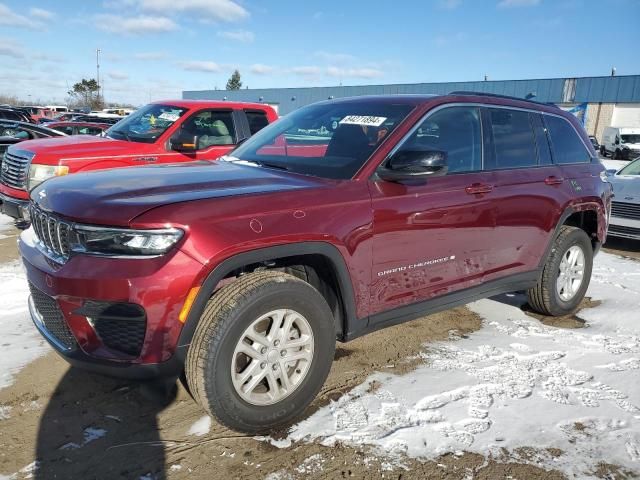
(257, 120)
(566, 145)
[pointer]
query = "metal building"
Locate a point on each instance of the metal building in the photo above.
(598, 101)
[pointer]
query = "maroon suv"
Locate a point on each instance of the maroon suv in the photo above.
(340, 218)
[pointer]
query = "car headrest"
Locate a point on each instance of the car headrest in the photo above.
(219, 128)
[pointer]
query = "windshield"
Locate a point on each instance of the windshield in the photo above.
(331, 140)
(630, 138)
(632, 169)
(146, 124)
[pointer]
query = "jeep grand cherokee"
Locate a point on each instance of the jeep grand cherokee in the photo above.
(339, 219)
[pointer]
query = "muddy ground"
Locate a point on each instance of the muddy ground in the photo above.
(84, 426)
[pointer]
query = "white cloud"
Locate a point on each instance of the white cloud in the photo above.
(260, 69)
(200, 66)
(150, 56)
(307, 70)
(518, 3)
(41, 13)
(219, 10)
(362, 72)
(10, 49)
(243, 36)
(10, 18)
(134, 25)
(115, 75)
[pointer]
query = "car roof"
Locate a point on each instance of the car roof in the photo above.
(211, 103)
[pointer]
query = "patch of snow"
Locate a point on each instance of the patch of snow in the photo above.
(200, 427)
(175, 468)
(90, 434)
(21, 343)
(514, 383)
(5, 412)
(311, 464)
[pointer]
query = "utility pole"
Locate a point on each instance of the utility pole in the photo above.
(98, 70)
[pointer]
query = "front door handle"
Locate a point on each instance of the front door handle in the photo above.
(553, 180)
(476, 188)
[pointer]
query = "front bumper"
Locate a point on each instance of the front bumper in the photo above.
(65, 293)
(15, 208)
(624, 228)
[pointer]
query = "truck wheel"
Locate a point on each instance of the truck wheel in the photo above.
(565, 275)
(615, 155)
(261, 352)
(603, 152)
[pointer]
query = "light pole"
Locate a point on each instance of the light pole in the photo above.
(98, 70)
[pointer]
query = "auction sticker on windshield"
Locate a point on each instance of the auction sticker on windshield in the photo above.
(169, 116)
(365, 120)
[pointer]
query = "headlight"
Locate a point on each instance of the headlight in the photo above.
(40, 173)
(115, 241)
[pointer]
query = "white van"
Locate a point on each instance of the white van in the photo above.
(57, 108)
(621, 142)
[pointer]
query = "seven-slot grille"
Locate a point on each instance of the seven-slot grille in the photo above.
(625, 210)
(15, 170)
(52, 233)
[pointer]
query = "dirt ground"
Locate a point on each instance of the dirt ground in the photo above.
(84, 426)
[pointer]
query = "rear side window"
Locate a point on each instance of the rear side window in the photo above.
(513, 139)
(566, 145)
(257, 120)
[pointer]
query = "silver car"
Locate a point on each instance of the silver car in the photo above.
(625, 208)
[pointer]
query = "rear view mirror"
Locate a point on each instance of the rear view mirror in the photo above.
(413, 165)
(182, 142)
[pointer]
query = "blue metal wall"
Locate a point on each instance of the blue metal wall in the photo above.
(623, 89)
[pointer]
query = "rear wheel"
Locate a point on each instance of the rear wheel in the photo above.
(262, 351)
(615, 155)
(566, 274)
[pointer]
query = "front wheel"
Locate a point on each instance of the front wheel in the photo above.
(565, 275)
(261, 352)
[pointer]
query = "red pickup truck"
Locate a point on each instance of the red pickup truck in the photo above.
(161, 132)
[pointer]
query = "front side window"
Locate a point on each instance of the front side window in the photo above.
(89, 131)
(566, 146)
(330, 140)
(455, 131)
(147, 124)
(210, 127)
(513, 141)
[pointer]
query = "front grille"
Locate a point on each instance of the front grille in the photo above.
(625, 210)
(625, 232)
(52, 233)
(15, 169)
(52, 319)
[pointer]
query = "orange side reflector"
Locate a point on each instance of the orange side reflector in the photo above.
(189, 145)
(191, 297)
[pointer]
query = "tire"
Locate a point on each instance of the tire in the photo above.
(545, 298)
(615, 155)
(603, 152)
(223, 329)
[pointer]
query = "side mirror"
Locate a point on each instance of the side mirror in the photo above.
(610, 172)
(413, 165)
(182, 142)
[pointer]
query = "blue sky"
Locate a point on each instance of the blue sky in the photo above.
(156, 48)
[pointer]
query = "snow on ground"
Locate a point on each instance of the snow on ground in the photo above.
(20, 342)
(6, 224)
(201, 427)
(514, 383)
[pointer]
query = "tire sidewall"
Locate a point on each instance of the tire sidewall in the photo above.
(579, 238)
(225, 401)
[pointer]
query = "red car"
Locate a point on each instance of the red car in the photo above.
(161, 132)
(341, 218)
(79, 128)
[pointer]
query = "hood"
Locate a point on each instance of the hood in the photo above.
(626, 188)
(79, 146)
(115, 197)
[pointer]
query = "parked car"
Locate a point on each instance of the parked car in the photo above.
(625, 208)
(15, 132)
(594, 142)
(160, 133)
(95, 119)
(79, 128)
(622, 143)
(340, 218)
(15, 115)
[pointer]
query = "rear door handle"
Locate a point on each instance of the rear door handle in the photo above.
(553, 180)
(476, 188)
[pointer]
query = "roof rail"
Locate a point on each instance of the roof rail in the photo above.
(496, 95)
